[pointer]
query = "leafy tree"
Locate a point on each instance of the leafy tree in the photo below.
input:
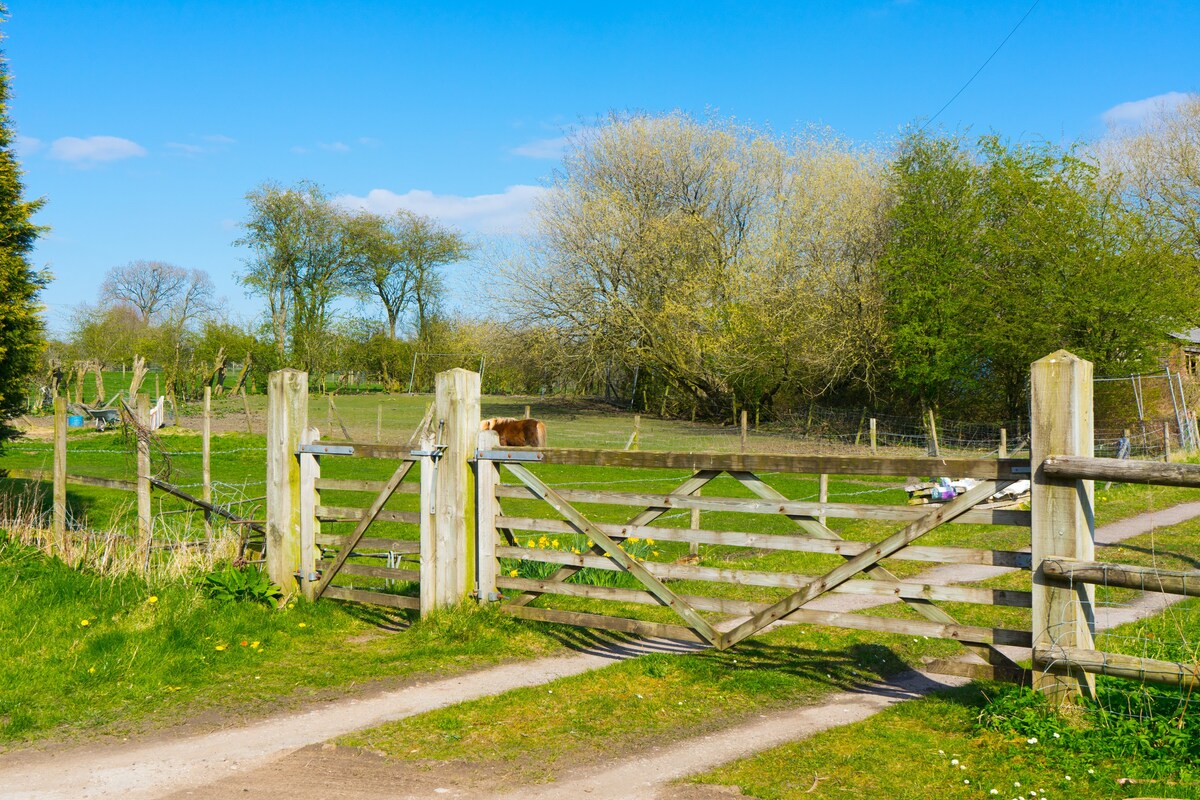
(300, 264)
(397, 262)
(21, 329)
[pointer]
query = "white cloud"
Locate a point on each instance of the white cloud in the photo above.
(185, 149)
(1135, 112)
(26, 145)
(335, 147)
(507, 212)
(218, 138)
(543, 148)
(94, 149)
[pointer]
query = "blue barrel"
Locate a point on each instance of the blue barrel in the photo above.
(74, 421)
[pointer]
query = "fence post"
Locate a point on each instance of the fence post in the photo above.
(1062, 522)
(59, 530)
(823, 493)
(287, 418)
(143, 466)
(1003, 451)
(206, 461)
(486, 509)
(430, 556)
(457, 402)
(743, 442)
(874, 448)
(378, 422)
(310, 526)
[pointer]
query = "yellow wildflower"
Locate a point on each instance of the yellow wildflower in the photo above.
(220, 647)
(575, 550)
(590, 544)
(302, 625)
(254, 645)
(529, 543)
(513, 574)
(91, 670)
(655, 552)
(152, 599)
(555, 543)
(83, 623)
(650, 542)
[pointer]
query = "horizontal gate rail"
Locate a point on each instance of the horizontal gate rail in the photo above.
(1095, 662)
(401, 546)
(1127, 576)
(1121, 470)
(350, 514)
(984, 515)
(784, 580)
(371, 487)
(1010, 469)
(374, 598)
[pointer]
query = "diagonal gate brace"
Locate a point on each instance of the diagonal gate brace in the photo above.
(926, 608)
(865, 560)
(353, 539)
(614, 551)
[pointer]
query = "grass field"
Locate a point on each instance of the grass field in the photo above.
(138, 652)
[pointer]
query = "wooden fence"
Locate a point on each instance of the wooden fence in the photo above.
(510, 520)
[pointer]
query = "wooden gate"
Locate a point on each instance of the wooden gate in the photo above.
(664, 577)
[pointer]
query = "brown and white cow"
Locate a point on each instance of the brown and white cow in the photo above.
(516, 432)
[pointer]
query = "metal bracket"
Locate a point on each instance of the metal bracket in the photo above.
(326, 449)
(436, 453)
(1021, 470)
(509, 455)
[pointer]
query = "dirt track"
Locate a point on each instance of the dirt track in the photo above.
(283, 756)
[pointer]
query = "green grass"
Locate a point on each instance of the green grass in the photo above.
(85, 653)
(526, 734)
(913, 748)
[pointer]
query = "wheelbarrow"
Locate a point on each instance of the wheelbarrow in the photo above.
(104, 417)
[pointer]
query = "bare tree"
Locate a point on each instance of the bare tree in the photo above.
(151, 287)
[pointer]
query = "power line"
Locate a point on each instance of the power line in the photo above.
(981, 66)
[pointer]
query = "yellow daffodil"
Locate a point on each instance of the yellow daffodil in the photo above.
(513, 574)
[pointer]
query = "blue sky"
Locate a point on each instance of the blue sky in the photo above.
(144, 124)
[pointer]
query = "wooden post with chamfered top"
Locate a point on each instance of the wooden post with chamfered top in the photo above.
(1062, 523)
(287, 420)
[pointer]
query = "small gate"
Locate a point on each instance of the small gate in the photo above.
(666, 576)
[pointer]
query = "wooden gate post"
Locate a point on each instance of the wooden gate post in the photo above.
(487, 476)
(1062, 521)
(58, 544)
(143, 468)
(287, 419)
(310, 526)
(457, 414)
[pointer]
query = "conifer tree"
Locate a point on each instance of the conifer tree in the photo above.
(21, 328)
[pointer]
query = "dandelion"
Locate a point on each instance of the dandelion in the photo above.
(152, 599)
(302, 625)
(220, 647)
(291, 605)
(254, 645)
(83, 623)
(91, 670)
(513, 573)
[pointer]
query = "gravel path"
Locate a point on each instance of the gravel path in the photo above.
(246, 761)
